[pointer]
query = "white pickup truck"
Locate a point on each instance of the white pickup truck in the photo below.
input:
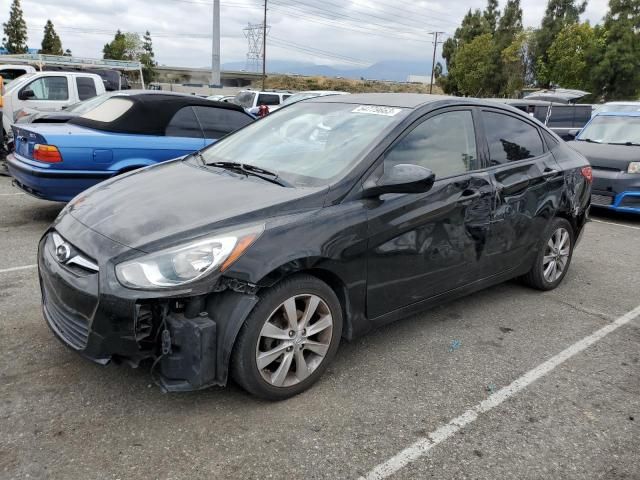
(48, 92)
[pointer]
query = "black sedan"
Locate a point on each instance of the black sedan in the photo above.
(611, 143)
(255, 256)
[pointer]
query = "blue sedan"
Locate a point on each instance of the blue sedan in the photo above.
(124, 133)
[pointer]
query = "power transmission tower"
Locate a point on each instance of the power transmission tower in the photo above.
(254, 33)
(433, 61)
(264, 46)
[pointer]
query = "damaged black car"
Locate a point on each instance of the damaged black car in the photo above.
(254, 257)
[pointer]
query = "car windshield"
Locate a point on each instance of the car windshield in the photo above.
(18, 82)
(612, 129)
(308, 144)
(244, 99)
(299, 97)
(619, 107)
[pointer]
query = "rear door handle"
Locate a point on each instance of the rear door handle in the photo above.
(550, 173)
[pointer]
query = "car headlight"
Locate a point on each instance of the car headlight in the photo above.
(187, 263)
(634, 167)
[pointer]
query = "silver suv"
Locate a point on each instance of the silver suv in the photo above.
(251, 100)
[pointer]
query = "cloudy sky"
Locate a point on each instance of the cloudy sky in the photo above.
(332, 32)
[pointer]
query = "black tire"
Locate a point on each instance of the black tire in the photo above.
(244, 366)
(535, 278)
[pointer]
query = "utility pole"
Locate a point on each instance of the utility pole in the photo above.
(215, 45)
(264, 46)
(433, 61)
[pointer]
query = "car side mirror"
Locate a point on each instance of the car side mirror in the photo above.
(26, 94)
(401, 178)
(572, 134)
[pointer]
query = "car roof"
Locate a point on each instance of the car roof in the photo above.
(404, 100)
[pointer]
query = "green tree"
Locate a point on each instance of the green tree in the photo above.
(124, 46)
(474, 66)
(572, 56)
(147, 58)
(558, 14)
(67, 53)
(618, 72)
(491, 14)
(516, 67)
(51, 43)
(15, 30)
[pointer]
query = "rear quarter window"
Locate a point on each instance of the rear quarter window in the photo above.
(268, 99)
(510, 139)
(109, 111)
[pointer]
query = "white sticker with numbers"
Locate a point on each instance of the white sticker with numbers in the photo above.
(377, 110)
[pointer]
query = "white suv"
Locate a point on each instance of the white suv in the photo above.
(251, 100)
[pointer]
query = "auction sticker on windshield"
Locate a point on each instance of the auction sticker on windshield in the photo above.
(377, 110)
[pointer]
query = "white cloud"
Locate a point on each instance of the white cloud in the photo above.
(86, 26)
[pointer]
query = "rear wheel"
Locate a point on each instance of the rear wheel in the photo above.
(554, 256)
(289, 339)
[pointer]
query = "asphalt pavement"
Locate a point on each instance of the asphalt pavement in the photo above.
(62, 417)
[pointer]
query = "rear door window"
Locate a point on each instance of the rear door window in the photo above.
(49, 88)
(217, 122)
(268, 99)
(86, 87)
(184, 124)
(510, 139)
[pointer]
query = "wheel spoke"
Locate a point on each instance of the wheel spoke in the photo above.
(291, 313)
(280, 374)
(562, 262)
(312, 306)
(322, 324)
(551, 244)
(547, 259)
(549, 270)
(302, 369)
(564, 239)
(271, 331)
(317, 347)
(267, 358)
(558, 239)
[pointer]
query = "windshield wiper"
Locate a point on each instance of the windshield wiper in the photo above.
(628, 144)
(589, 140)
(251, 170)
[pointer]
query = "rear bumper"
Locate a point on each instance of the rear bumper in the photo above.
(615, 190)
(49, 183)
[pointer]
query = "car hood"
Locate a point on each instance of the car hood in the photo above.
(607, 156)
(176, 200)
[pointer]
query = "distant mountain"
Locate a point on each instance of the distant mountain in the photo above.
(395, 70)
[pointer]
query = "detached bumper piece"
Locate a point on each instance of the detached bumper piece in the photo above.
(188, 359)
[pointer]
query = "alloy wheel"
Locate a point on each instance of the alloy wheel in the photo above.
(556, 255)
(294, 340)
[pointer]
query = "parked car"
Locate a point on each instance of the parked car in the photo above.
(251, 100)
(46, 91)
(10, 72)
(611, 143)
(258, 254)
(617, 107)
(123, 133)
(563, 119)
(298, 97)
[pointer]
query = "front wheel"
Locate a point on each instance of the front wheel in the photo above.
(289, 339)
(554, 256)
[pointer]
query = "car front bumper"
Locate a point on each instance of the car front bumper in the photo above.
(616, 190)
(188, 335)
(49, 183)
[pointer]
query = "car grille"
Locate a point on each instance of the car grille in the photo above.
(73, 328)
(601, 200)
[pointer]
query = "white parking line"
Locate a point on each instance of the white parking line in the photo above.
(616, 224)
(10, 194)
(15, 269)
(421, 447)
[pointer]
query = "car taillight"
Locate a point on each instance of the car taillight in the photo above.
(46, 153)
(587, 173)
